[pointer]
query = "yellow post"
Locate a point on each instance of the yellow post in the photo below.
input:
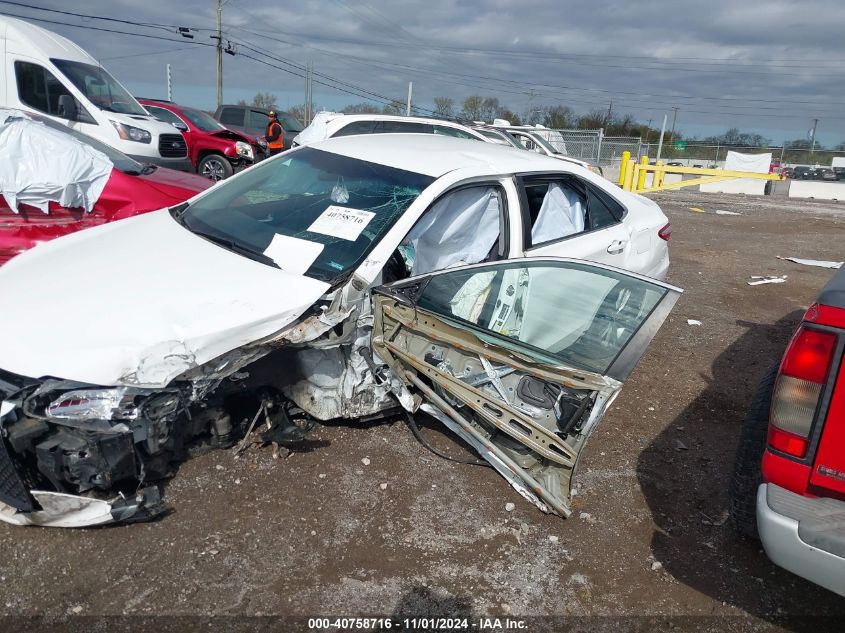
(659, 175)
(641, 179)
(626, 156)
(629, 175)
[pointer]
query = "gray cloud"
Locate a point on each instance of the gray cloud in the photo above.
(749, 65)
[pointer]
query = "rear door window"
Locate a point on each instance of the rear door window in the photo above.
(402, 127)
(356, 127)
(257, 122)
(232, 116)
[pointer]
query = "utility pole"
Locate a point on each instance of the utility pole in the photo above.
(410, 93)
(662, 132)
(309, 71)
(813, 137)
(169, 85)
(609, 112)
(674, 118)
(219, 53)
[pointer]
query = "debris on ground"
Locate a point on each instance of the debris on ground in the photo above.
(769, 279)
(723, 212)
(656, 566)
(680, 446)
(366, 461)
(693, 322)
(812, 262)
(509, 507)
(697, 209)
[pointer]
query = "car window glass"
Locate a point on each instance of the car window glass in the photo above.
(402, 127)
(451, 131)
(462, 227)
(232, 116)
(344, 205)
(355, 127)
(556, 210)
(163, 114)
(601, 210)
(38, 87)
(99, 87)
(580, 314)
(257, 121)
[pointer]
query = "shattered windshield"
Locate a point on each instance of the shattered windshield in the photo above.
(99, 87)
(308, 211)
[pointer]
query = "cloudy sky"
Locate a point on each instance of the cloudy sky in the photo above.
(763, 66)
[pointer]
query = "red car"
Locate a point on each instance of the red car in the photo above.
(788, 486)
(216, 152)
(131, 189)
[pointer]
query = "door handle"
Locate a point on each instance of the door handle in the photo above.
(616, 247)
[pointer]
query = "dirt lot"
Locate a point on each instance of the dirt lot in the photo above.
(316, 535)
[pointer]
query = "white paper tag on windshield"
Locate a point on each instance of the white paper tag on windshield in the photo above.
(292, 254)
(342, 222)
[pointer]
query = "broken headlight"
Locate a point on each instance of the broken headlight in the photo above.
(244, 149)
(118, 403)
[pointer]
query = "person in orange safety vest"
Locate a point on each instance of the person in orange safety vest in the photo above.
(274, 138)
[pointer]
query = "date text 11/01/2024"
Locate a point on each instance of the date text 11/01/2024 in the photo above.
(492, 625)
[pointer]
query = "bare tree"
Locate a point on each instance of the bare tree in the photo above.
(444, 106)
(559, 117)
(396, 106)
(472, 108)
(264, 100)
(362, 108)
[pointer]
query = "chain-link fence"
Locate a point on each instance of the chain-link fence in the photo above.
(709, 155)
(591, 145)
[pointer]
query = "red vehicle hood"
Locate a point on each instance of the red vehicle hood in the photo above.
(172, 184)
(233, 135)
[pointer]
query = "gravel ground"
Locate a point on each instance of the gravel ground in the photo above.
(367, 522)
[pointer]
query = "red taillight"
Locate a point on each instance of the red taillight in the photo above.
(808, 355)
(666, 232)
(803, 373)
(787, 442)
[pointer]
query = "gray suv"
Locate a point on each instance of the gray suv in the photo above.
(253, 121)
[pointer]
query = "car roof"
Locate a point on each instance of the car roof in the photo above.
(22, 37)
(340, 116)
(434, 155)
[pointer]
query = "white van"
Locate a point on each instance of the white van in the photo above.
(47, 73)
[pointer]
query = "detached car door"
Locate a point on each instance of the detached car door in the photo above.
(520, 358)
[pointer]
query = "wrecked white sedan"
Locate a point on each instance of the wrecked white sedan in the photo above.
(349, 279)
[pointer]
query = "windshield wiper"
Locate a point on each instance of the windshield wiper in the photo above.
(236, 247)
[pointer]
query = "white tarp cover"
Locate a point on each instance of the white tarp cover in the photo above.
(561, 214)
(736, 161)
(41, 165)
(317, 129)
(459, 229)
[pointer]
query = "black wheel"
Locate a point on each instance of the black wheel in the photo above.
(749, 455)
(215, 167)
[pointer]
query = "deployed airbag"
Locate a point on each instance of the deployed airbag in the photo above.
(561, 214)
(459, 229)
(42, 165)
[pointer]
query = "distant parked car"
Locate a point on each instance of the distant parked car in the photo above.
(675, 163)
(215, 152)
(825, 173)
(840, 173)
(253, 121)
(788, 486)
(29, 143)
(803, 173)
(332, 124)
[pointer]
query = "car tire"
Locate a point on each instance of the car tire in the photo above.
(747, 476)
(215, 167)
